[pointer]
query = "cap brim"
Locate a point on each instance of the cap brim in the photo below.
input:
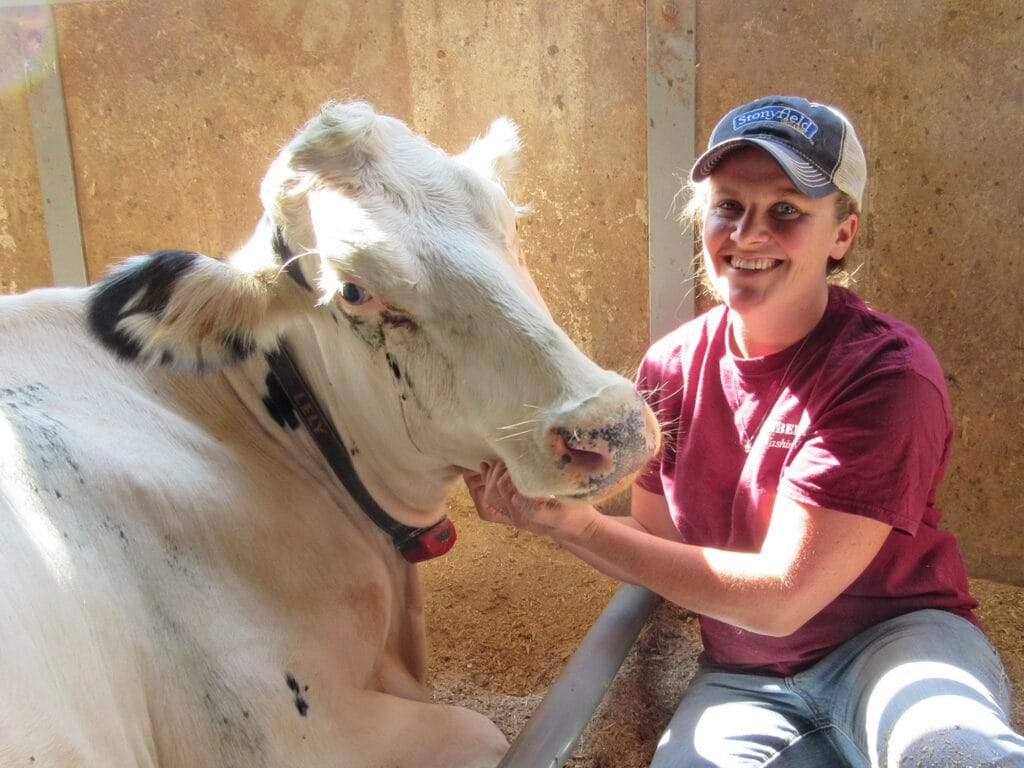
(807, 179)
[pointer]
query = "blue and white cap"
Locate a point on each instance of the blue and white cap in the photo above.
(814, 143)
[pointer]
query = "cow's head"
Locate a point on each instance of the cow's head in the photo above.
(396, 273)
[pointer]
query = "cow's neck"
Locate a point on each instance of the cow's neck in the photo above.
(414, 542)
(412, 491)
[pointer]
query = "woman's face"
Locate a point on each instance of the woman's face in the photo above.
(766, 245)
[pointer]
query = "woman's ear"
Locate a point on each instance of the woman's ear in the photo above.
(845, 233)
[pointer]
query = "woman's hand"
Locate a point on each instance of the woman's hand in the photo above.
(477, 485)
(498, 501)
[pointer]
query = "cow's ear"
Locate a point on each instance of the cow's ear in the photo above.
(496, 153)
(341, 148)
(337, 147)
(187, 311)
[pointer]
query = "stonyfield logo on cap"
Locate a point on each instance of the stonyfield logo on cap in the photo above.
(792, 118)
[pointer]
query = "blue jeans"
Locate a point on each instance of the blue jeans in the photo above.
(923, 690)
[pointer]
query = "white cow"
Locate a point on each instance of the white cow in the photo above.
(185, 581)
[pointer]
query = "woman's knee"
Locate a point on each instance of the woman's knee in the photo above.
(959, 747)
(947, 732)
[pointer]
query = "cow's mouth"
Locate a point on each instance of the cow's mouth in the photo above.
(600, 489)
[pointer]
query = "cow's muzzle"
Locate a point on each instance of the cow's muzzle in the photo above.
(600, 445)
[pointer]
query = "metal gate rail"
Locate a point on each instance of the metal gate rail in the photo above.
(549, 737)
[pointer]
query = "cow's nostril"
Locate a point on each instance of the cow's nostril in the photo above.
(591, 463)
(584, 453)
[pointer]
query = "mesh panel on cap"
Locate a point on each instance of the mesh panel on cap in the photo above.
(852, 171)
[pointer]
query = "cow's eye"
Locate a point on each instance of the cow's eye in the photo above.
(354, 294)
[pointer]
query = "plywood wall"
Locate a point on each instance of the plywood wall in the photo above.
(176, 108)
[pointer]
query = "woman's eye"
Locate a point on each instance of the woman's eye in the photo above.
(354, 294)
(725, 208)
(786, 211)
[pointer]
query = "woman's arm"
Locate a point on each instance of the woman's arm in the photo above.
(809, 556)
(648, 514)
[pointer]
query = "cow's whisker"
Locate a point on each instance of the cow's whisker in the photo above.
(520, 424)
(654, 394)
(513, 435)
(294, 257)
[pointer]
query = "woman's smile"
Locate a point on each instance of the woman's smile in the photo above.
(748, 264)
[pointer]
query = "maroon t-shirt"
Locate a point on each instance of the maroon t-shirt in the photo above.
(860, 424)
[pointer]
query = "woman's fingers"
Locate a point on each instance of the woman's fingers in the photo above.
(498, 500)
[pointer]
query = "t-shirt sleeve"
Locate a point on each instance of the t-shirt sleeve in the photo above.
(878, 451)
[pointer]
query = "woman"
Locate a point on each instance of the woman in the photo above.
(792, 507)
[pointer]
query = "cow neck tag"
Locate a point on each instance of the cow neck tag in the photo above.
(414, 544)
(429, 543)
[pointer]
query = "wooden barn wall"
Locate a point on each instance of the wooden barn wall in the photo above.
(175, 109)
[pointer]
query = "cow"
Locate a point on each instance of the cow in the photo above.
(218, 473)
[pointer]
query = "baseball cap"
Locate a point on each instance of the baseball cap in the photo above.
(814, 143)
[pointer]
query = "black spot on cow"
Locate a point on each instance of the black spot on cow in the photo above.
(287, 259)
(299, 693)
(240, 347)
(393, 365)
(115, 529)
(372, 334)
(279, 405)
(145, 283)
(28, 411)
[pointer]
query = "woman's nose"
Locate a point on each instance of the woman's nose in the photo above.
(750, 228)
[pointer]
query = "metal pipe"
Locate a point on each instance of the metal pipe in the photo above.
(671, 140)
(549, 737)
(49, 123)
